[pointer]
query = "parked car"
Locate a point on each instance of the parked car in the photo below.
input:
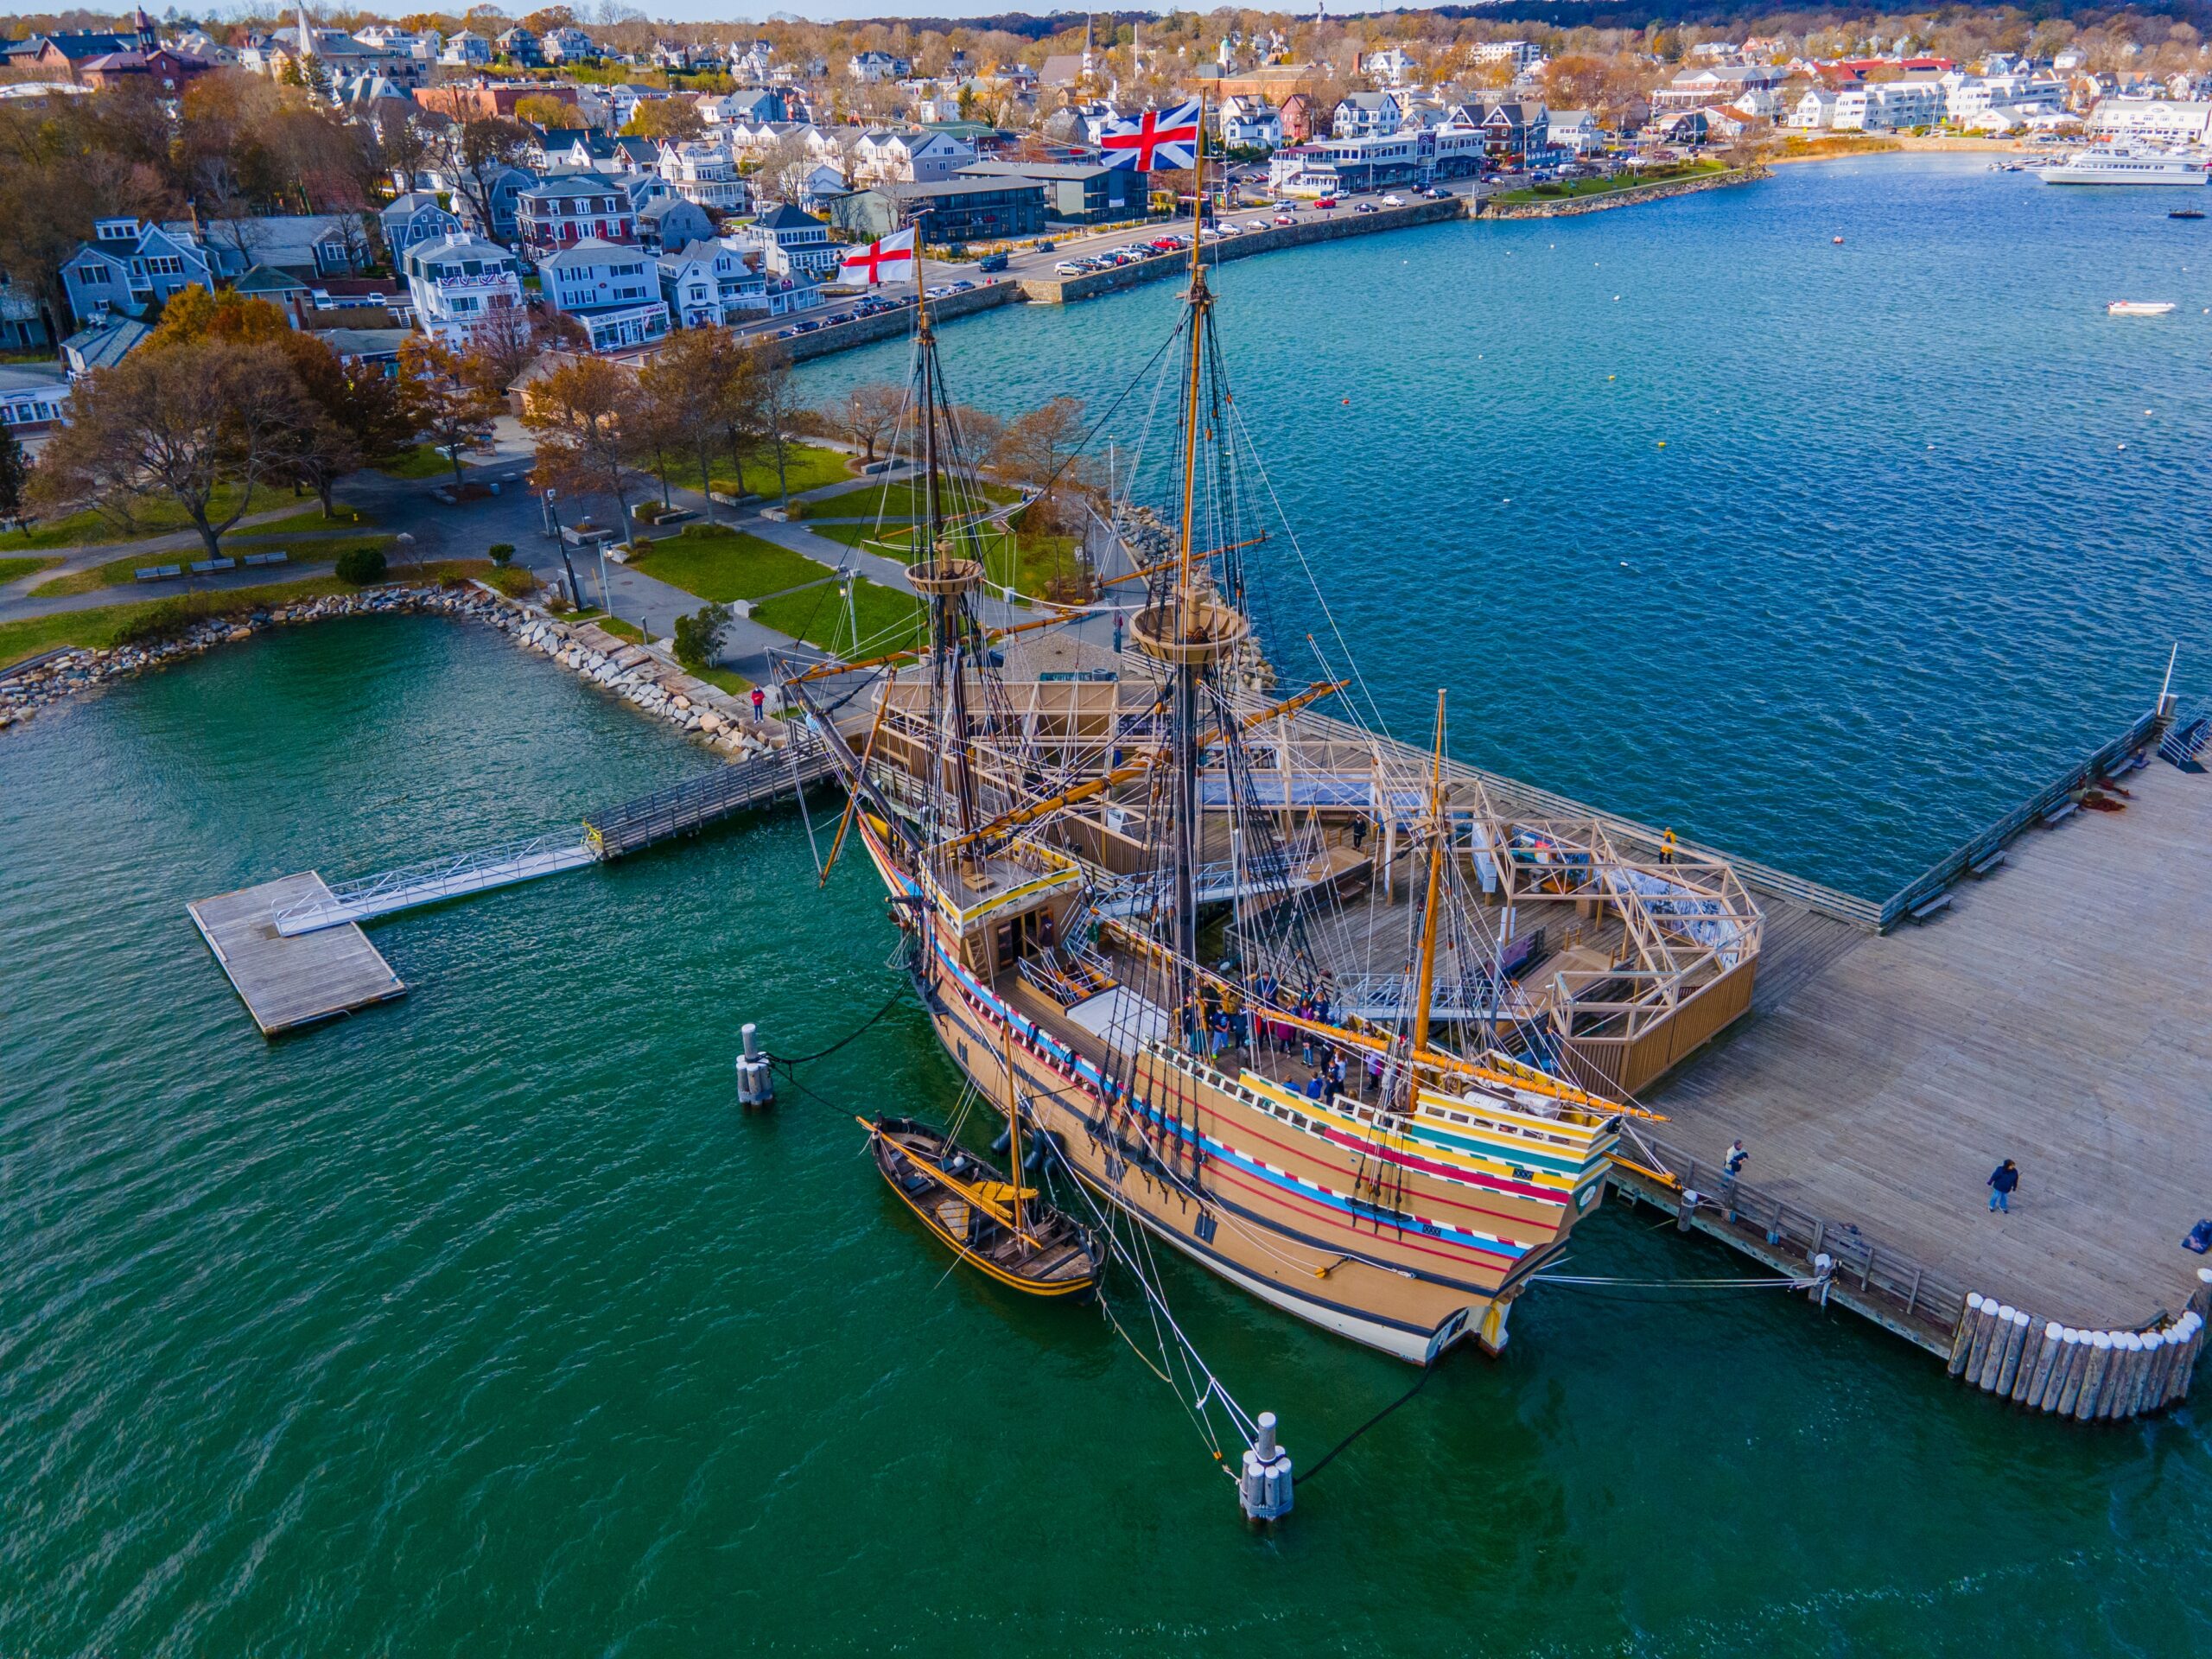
(991, 262)
(1393, 201)
(1044, 245)
(1071, 267)
(960, 287)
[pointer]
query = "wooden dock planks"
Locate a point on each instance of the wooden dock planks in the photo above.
(2054, 1014)
(288, 983)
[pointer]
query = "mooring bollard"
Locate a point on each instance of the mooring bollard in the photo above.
(1264, 1488)
(756, 1078)
(1688, 1208)
(1823, 1276)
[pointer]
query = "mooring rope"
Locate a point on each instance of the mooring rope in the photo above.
(785, 1065)
(1308, 1478)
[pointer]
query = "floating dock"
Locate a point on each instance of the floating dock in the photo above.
(286, 983)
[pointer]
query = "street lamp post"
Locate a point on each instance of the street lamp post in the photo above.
(561, 541)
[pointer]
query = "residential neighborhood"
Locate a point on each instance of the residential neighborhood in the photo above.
(615, 185)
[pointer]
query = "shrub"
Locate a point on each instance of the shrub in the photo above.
(361, 565)
(515, 580)
(164, 621)
(501, 552)
(698, 634)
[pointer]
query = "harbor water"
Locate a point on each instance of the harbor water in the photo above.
(485, 1323)
(1825, 554)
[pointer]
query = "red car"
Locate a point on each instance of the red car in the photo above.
(1327, 201)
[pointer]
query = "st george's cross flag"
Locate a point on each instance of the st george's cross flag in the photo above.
(880, 261)
(1155, 140)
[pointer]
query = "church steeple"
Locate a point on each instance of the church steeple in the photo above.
(142, 25)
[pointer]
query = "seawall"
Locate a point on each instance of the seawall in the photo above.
(866, 331)
(1561, 207)
(1059, 290)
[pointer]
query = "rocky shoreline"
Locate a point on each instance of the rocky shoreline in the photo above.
(646, 681)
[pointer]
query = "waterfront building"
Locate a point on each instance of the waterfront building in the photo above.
(713, 282)
(1814, 113)
(795, 243)
(1077, 192)
(954, 210)
(2153, 120)
(456, 280)
(1715, 84)
(1575, 131)
(916, 157)
(612, 290)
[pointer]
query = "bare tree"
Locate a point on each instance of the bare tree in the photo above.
(472, 155)
(200, 424)
(869, 413)
(775, 402)
(1043, 449)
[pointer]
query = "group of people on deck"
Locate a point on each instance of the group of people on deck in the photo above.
(1235, 1024)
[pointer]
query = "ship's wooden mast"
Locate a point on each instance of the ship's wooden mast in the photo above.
(1439, 842)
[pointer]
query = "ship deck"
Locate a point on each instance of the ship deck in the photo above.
(2055, 1013)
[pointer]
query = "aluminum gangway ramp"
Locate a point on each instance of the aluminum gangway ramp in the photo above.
(434, 883)
(684, 808)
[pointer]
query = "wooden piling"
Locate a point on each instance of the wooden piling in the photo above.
(2035, 1380)
(2016, 1347)
(2093, 1378)
(2068, 1384)
(1962, 1338)
(1992, 1358)
(2120, 1378)
(2146, 1375)
(1985, 1322)
(2190, 1332)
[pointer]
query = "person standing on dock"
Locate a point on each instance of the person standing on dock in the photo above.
(2002, 1180)
(1668, 848)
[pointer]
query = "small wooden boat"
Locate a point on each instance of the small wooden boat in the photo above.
(995, 1226)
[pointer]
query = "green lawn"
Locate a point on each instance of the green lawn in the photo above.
(11, 568)
(722, 565)
(807, 466)
(1025, 563)
(98, 629)
(900, 500)
(90, 529)
(889, 619)
(721, 679)
(621, 630)
(420, 462)
(122, 573)
(1574, 187)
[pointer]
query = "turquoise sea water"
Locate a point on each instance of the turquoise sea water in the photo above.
(1891, 570)
(485, 1324)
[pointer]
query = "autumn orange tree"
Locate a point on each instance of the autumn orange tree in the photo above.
(444, 403)
(588, 415)
(693, 392)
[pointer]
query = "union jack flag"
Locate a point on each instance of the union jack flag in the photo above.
(1156, 140)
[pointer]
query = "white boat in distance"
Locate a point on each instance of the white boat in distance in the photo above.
(2126, 166)
(2139, 307)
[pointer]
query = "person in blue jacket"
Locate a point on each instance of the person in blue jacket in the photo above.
(2002, 1180)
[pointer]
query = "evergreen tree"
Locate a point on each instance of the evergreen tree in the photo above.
(11, 477)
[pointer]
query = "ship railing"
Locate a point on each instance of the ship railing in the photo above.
(1889, 1279)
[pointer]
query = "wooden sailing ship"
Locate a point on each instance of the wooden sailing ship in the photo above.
(1263, 996)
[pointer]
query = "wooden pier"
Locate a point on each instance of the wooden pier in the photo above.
(685, 808)
(286, 983)
(2051, 1011)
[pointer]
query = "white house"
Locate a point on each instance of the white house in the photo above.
(715, 282)
(706, 175)
(794, 243)
(1250, 123)
(2152, 120)
(567, 45)
(1814, 113)
(1575, 131)
(915, 157)
(1520, 54)
(1363, 115)
(1391, 66)
(872, 67)
(456, 280)
(614, 291)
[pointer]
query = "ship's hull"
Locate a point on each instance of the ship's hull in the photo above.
(1268, 1191)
